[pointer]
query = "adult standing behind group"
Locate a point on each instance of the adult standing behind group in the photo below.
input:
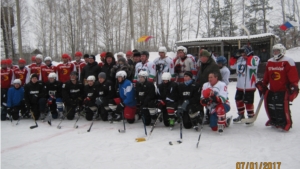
(91, 69)
(109, 63)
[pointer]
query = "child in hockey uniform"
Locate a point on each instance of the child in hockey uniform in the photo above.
(246, 67)
(105, 96)
(73, 93)
(15, 100)
(215, 97)
(282, 76)
(90, 94)
(225, 72)
(126, 104)
(146, 98)
(189, 98)
(167, 93)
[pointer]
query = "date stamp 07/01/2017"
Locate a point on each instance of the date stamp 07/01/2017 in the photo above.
(258, 165)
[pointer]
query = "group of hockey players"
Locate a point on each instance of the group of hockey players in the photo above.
(134, 88)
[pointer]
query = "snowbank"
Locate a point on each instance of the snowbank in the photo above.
(294, 53)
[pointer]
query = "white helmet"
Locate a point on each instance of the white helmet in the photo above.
(182, 48)
(121, 73)
(48, 58)
(282, 50)
(17, 81)
(166, 76)
(120, 54)
(52, 75)
(143, 73)
(162, 49)
(39, 56)
(92, 78)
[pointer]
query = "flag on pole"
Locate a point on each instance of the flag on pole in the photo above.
(144, 38)
(287, 25)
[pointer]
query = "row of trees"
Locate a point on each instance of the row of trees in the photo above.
(93, 26)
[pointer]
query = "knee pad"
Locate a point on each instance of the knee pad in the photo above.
(113, 107)
(106, 108)
(170, 110)
(152, 111)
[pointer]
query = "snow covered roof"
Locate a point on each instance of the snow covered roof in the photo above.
(227, 38)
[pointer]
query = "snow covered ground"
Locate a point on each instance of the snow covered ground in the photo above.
(104, 147)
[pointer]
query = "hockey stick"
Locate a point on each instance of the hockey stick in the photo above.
(36, 125)
(251, 120)
(76, 126)
(62, 118)
(144, 121)
(123, 131)
(200, 131)
(49, 116)
(92, 122)
(152, 128)
(180, 140)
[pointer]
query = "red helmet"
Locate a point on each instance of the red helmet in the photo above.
(4, 62)
(32, 58)
(9, 61)
(65, 56)
(207, 93)
(22, 61)
(78, 53)
(103, 54)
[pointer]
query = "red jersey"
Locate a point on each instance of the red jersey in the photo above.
(45, 70)
(22, 74)
(64, 71)
(280, 73)
(6, 76)
(34, 68)
(77, 64)
(14, 67)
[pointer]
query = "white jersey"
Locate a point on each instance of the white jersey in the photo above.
(163, 65)
(220, 90)
(225, 72)
(149, 67)
(181, 66)
(246, 72)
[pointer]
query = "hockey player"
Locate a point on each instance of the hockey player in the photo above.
(35, 68)
(83, 64)
(167, 93)
(189, 98)
(78, 60)
(105, 96)
(15, 100)
(146, 98)
(246, 68)
(73, 94)
(47, 69)
(215, 97)
(145, 65)
(54, 95)
(6, 76)
(225, 72)
(34, 91)
(90, 94)
(163, 64)
(127, 102)
(21, 73)
(64, 69)
(183, 64)
(282, 77)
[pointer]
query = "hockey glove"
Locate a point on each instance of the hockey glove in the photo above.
(216, 99)
(185, 104)
(205, 102)
(293, 92)
(86, 101)
(99, 101)
(261, 87)
(49, 101)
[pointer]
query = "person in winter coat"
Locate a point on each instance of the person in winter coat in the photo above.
(109, 63)
(15, 100)
(146, 98)
(126, 102)
(34, 91)
(90, 94)
(91, 69)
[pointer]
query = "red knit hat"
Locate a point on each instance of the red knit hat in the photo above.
(65, 56)
(22, 61)
(129, 53)
(4, 62)
(9, 61)
(78, 53)
(32, 58)
(103, 54)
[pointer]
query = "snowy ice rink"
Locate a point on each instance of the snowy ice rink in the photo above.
(104, 147)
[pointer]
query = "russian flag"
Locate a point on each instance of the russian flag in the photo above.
(287, 25)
